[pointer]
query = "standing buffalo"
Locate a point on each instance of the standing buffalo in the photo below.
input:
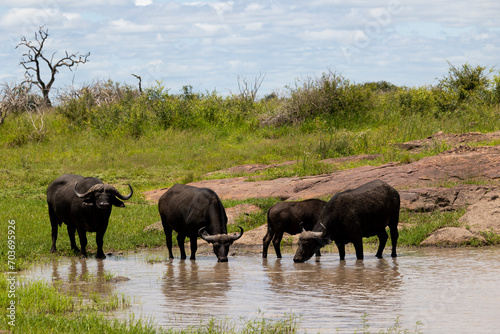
(290, 217)
(193, 212)
(84, 205)
(351, 215)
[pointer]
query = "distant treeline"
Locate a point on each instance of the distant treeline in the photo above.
(110, 108)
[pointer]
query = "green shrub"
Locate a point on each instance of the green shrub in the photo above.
(465, 81)
(331, 95)
(415, 100)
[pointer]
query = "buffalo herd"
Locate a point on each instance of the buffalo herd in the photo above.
(84, 204)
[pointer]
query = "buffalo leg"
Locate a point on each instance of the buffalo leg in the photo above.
(382, 238)
(194, 247)
(358, 246)
(168, 236)
(71, 234)
(99, 239)
(341, 248)
(277, 243)
(265, 243)
(394, 240)
(83, 242)
(180, 242)
(54, 222)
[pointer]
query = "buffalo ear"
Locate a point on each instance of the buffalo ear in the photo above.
(116, 202)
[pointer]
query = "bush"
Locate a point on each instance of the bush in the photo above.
(330, 95)
(415, 100)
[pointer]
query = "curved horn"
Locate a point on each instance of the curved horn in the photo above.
(314, 235)
(301, 225)
(236, 236)
(205, 236)
(95, 187)
(117, 193)
(324, 230)
(219, 237)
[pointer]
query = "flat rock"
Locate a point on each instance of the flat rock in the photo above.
(452, 236)
(484, 215)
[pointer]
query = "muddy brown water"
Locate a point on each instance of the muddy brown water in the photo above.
(447, 290)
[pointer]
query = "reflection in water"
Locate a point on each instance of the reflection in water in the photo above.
(77, 273)
(448, 290)
(339, 290)
(193, 291)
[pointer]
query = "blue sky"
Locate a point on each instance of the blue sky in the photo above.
(209, 44)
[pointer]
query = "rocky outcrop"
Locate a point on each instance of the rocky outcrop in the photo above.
(462, 164)
(443, 199)
(423, 184)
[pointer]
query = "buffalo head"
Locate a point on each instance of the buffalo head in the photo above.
(220, 242)
(309, 243)
(103, 196)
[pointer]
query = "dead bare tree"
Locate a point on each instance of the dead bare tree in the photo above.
(140, 82)
(34, 59)
(247, 91)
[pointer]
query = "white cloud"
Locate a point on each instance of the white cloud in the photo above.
(210, 43)
(143, 2)
(212, 29)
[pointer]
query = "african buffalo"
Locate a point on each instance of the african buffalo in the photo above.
(290, 217)
(193, 212)
(351, 215)
(84, 205)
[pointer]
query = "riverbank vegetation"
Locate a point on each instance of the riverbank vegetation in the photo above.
(154, 138)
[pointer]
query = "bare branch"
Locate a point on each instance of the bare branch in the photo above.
(140, 82)
(250, 92)
(31, 62)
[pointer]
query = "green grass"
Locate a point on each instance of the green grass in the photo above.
(418, 226)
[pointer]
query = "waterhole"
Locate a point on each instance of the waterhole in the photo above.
(447, 290)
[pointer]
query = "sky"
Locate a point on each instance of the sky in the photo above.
(210, 45)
